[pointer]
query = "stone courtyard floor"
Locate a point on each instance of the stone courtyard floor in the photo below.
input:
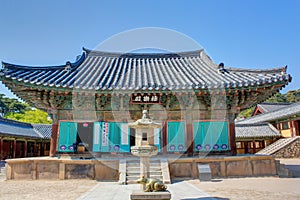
(273, 188)
(243, 188)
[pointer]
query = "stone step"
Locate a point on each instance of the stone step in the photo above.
(137, 173)
(135, 168)
(138, 164)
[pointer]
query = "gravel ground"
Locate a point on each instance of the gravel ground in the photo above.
(46, 190)
(251, 188)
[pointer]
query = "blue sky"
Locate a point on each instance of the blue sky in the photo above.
(248, 34)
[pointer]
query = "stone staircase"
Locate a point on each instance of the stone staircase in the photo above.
(291, 167)
(283, 171)
(130, 171)
(276, 146)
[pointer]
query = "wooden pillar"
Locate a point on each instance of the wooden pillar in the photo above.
(246, 147)
(231, 133)
(53, 142)
(164, 138)
(25, 149)
(232, 143)
(290, 123)
(189, 134)
(34, 149)
(14, 148)
(297, 131)
(42, 149)
(254, 146)
(293, 128)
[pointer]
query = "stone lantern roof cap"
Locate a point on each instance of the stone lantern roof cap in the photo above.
(145, 122)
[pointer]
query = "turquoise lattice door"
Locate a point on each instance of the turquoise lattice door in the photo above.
(67, 136)
(176, 137)
(111, 137)
(157, 137)
(211, 136)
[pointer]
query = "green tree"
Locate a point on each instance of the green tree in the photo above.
(278, 97)
(3, 107)
(246, 113)
(34, 116)
(293, 96)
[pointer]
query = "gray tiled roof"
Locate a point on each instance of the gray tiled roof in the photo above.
(14, 128)
(259, 130)
(269, 107)
(290, 110)
(96, 70)
(45, 130)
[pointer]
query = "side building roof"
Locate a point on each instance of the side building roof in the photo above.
(282, 113)
(265, 107)
(255, 131)
(20, 129)
(106, 71)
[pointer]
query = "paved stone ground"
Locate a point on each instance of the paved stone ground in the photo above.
(113, 191)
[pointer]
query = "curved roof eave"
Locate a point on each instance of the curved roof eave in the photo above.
(27, 67)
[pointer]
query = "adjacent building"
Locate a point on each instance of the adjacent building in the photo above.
(270, 122)
(19, 140)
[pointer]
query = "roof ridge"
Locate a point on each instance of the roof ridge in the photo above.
(274, 70)
(14, 121)
(275, 103)
(191, 53)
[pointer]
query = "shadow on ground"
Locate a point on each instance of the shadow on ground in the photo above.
(206, 198)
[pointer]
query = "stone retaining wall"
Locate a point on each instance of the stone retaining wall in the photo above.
(183, 168)
(290, 151)
(225, 167)
(52, 168)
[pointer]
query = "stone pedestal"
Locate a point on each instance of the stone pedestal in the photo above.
(139, 195)
(204, 172)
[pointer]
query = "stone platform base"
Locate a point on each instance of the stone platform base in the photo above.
(150, 195)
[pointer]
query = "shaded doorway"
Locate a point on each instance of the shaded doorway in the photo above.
(85, 135)
(132, 137)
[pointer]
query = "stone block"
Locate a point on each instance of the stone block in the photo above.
(108, 170)
(239, 168)
(181, 170)
(47, 170)
(204, 172)
(22, 171)
(77, 171)
(140, 195)
(262, 168)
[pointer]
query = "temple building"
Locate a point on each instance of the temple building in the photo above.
(93, 99)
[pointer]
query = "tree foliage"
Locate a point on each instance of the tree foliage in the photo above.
(34, 116)
(16, 110)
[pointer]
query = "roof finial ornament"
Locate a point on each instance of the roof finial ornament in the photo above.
(221, 68)
(68, 66)
(284, 70)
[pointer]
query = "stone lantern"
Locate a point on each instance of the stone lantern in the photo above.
(144, 141)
